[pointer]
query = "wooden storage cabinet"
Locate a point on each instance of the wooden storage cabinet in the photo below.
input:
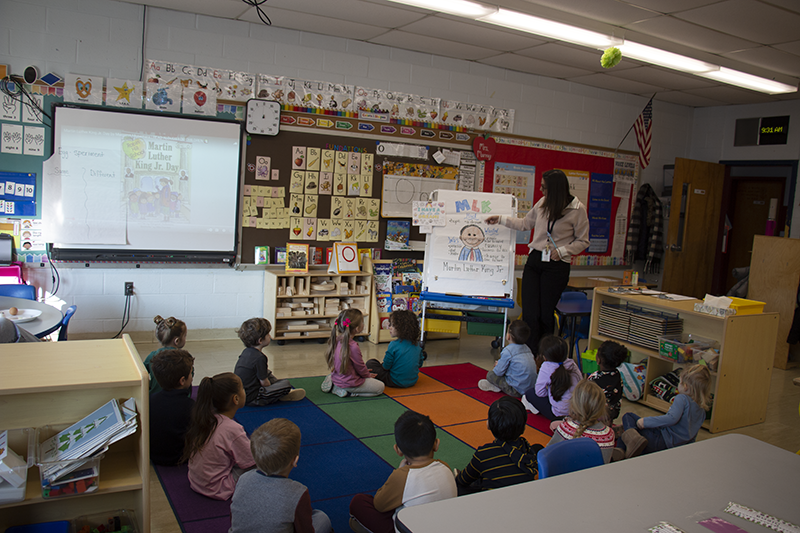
(747, 346)
(57, 384)
(304, 306)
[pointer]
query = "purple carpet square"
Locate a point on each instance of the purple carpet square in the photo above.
(315, 425)
(213, 525)
(334, 469)
(188, 504)
(460, 376)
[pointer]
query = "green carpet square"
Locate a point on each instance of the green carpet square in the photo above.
(365, 419)
(451, 450)
(383, 446)
(313, 392)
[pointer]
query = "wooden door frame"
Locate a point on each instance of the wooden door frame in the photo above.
(720, 276)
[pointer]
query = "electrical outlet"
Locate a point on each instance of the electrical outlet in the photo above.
(128, 288)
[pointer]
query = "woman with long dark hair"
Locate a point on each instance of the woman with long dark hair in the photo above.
(562, 230)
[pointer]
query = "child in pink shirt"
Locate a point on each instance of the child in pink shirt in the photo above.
(217, 447)
(349, 375)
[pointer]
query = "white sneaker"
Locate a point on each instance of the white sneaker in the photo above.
(327, 384)
(528, 405)
(484, 385)
(341, 393)
(294, 395)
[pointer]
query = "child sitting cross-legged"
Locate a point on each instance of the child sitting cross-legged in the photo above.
(587, 409)
(171, 407)
(266, 499)
(515, 372)
(557, 378)
(260, 384)
(171, 333)
(400, 367)
(507, 460)
(419, 479)
(349, 375)
(681, 423)
(610, 355)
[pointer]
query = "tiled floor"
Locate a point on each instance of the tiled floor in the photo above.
(296, 360)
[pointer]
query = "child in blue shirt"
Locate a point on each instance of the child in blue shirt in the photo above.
(403, 357)
(681, 423)
(515, 372)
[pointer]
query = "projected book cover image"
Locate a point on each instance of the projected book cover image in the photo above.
(156, 180)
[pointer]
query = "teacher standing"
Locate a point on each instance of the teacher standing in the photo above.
(562, 230)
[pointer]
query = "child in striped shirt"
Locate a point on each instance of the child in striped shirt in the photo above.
(507, 460)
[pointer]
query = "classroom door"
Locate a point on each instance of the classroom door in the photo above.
(692, 235)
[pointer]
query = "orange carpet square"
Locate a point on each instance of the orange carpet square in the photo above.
(446, 408)
(477, 434)
(424, 385)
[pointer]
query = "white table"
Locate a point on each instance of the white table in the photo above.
(681, 486)
(45, 324)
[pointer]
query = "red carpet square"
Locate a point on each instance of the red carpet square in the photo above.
(460, 376)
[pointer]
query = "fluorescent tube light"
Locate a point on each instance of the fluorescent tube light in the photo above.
(748, 81)
(666, 59)
(461, 8)
(549, 28)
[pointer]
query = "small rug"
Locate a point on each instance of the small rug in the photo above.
(347, 443)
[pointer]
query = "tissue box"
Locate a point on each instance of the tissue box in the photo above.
(716, 311)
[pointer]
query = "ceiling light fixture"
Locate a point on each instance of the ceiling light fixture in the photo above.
(549, 28)
(748, 81)
(461, 8)
(666, 59)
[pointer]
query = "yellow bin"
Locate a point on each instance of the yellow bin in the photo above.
(746, 307)
(443, 326)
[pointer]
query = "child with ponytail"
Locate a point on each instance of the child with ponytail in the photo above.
(217, 447)
(349, 375)
(171, 333)
(557, 377)
(587, 409)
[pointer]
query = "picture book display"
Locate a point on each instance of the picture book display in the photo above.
(398, 233)
(296, 257)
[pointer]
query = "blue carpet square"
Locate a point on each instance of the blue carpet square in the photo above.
(338, 510)
(336, 468)
(315, 425)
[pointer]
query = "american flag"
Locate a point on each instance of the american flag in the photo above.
(643, 128)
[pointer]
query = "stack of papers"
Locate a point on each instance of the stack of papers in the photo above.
(79, 443)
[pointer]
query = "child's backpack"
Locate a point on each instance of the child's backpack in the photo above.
(632, 380)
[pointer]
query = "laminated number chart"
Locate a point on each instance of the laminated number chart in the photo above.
(763, 519)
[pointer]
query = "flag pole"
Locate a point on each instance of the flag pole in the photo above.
(634, 123)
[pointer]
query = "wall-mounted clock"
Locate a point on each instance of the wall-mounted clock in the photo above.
(263, 117)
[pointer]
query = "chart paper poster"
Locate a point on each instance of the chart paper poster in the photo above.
(468, 256)
(519, 181)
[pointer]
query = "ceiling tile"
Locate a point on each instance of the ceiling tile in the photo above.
(661, 78)
(732, 95)
(791, 47)
(791, 5)
(568, 55)
(229, 9)
(670, 6)
(432, 45)
(608, 11)
(688, 34)
(769, 58)
(476, 34)
(382, 15)
(749, 19)
(616, 84)
(295, 20)
(534, 66)
(691, 100)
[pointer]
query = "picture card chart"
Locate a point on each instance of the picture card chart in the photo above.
(468, 256)
(17, 194)
(518, 181)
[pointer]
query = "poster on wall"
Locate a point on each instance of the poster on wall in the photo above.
(124, 93)
(83, 89)
(468, 256)
(518, 181)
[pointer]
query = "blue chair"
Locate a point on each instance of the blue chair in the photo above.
(582, 329)
(18, 291)
(568, 456)
(62, 333)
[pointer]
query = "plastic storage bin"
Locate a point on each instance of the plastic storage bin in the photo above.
(122, 520)
(60, 526)
(485, 328)
(83, 479)
(19, 457)
(746, 307)
(442, 326)
(681, 348)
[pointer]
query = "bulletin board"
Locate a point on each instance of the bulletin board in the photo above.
(605, 184)
(358, 209)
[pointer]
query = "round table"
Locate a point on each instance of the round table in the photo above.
(45, 324)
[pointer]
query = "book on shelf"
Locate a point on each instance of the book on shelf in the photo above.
(262, 255)
(70, 448)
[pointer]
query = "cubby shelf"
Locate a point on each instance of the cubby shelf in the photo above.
(747, 345)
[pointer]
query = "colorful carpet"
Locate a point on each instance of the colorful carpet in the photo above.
(347, 445)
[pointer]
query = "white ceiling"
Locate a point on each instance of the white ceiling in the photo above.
(760, 37)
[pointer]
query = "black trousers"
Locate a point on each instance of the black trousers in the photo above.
(542, 285)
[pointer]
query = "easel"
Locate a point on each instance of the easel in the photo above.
(492, 296)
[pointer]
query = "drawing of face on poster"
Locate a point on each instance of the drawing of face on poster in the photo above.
(472, 236)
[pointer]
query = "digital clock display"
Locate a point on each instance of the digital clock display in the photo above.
(774, 130)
